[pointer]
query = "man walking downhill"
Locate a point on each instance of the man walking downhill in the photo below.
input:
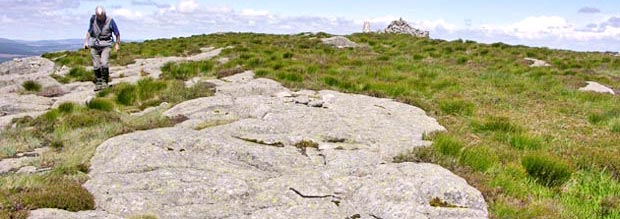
(99, 40)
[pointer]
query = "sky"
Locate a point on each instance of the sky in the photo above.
(587, 25)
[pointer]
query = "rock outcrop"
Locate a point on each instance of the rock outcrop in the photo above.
(14, 104)
(534, 63)
(339, 42)
(20, 163)
(151, 67)
(401, 26)
(259, 150)
(598, 88)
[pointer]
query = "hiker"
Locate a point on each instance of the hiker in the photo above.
(99, 40)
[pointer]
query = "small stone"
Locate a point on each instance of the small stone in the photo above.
(316, 103)
(53, 91)
(27, 170)
(339, 42)
(88, 99)
(537, 63)
(598, 88)
(283, 94)
(302, 100)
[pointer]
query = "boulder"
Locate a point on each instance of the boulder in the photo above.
(277, 159)
(13, 103)
(27, 170)
(534, 63)
(401, 26)
(53, 91)
(597, 87)
(339, 42)
(31, 68)
(5, 120)
(27, 66)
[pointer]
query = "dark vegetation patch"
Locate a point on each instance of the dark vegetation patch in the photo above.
(54, 192)
(186, 70)
(547, 170)
(78, 73)
(437, 202)
(31, 86)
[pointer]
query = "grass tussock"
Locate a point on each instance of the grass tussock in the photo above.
(101, 104)
(479, 158)
(187, 70)
(46, 191)
(447, 145)
(547, 170)
(457, 107)
(526, 142)
(31, 86)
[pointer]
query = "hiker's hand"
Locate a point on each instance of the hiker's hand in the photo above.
(117, 47)
(85, 45)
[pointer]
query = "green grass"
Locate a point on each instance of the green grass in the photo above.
(31, 86)
(547, 170)
(601, 191)
(447, 145)
(614, 125)
(187, 70)
(496, 108)
(526, 142)
(67, 107)
(479, 158)
(77, 73)
(457, 107)
(148, 92)
(101, 104)
(496, 124)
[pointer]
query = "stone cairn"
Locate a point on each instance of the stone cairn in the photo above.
(402, 27)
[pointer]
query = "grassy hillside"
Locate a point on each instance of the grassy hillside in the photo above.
(534, 145)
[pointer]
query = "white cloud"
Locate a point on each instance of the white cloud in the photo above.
(126, 13)
(187, 6)
(435, 25)
(252, 12)
(532, 27)
(6, 20)
(545, 27)
(383, 20)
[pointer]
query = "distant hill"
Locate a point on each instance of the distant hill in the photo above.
(10, 49)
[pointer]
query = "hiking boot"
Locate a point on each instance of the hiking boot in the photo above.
(105, 75)
(97, 75)
(99, 84)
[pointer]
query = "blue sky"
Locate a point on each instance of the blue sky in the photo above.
(577, 25)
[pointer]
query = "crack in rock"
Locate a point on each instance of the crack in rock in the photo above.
(311, 196)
